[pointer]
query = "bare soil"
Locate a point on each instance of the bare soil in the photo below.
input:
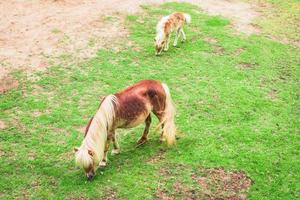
(208, 183)
(160, 155)
(217, 183)
(2, 126)
(7, 83)
(36, 34)
(110, 194)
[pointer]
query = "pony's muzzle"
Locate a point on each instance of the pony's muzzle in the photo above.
(157, 53)
(158, 50)
(90, 176)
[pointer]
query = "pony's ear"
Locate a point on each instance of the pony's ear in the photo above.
(75, 149)
(91, 152)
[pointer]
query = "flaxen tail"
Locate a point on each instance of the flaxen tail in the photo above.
(187, 18)
(169, 128)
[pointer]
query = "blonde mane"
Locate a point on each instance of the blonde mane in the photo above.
(97, 134)
(160, 33)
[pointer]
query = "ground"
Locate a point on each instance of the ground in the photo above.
(36, 34)
(235, 83)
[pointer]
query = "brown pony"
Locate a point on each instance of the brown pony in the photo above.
(125, 109)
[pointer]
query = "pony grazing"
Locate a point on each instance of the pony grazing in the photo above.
(125, 109)
(166, 26)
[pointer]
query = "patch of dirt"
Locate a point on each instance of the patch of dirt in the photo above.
(185, 191)
(210, 40)
(7, 83)
(158, 156)
(218, 49)
(179, 191)
(38, 113)
(246, 65)
(238, 51)
(162, 195)
(216, 183)
(1, 153)
(204, 183)
(24, 194)
(110, 195)
(31, 155)
(285, 40)
(263, 82)
(17, 123)
(35, 34)
(272, 94)
(80, 197)
(2, 125)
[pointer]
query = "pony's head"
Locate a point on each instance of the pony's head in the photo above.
(159, 43)
(85, 158)
(91, 151)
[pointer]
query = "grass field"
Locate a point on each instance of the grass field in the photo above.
(237, 101)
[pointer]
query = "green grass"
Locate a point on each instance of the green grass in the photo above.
(280, 19)
(237, 105)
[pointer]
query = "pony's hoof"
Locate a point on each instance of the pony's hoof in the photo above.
(141, 142)
(166, 49)
(115, 152)
(174, 45)
(102, 164)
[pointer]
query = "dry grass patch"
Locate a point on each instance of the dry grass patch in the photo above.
(7, 83)
(217, 183)
(185, 182)
(2, 125)
(110, 194)
(158, 156)
(245, 65)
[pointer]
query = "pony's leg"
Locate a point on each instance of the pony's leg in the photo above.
(162, 139)
(167, 43)
(176, 37)
(116, 149)
(183, 35)
(160, 118)
(104, 160)
(143, 139)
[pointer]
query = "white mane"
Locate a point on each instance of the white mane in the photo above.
(97, 134)
(160, 34)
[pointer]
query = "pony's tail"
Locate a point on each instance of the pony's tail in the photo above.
(169, 128)
(187, 17)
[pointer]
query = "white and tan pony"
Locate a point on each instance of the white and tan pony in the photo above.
(167, 25)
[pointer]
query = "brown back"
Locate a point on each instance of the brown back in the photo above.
(134, 100)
